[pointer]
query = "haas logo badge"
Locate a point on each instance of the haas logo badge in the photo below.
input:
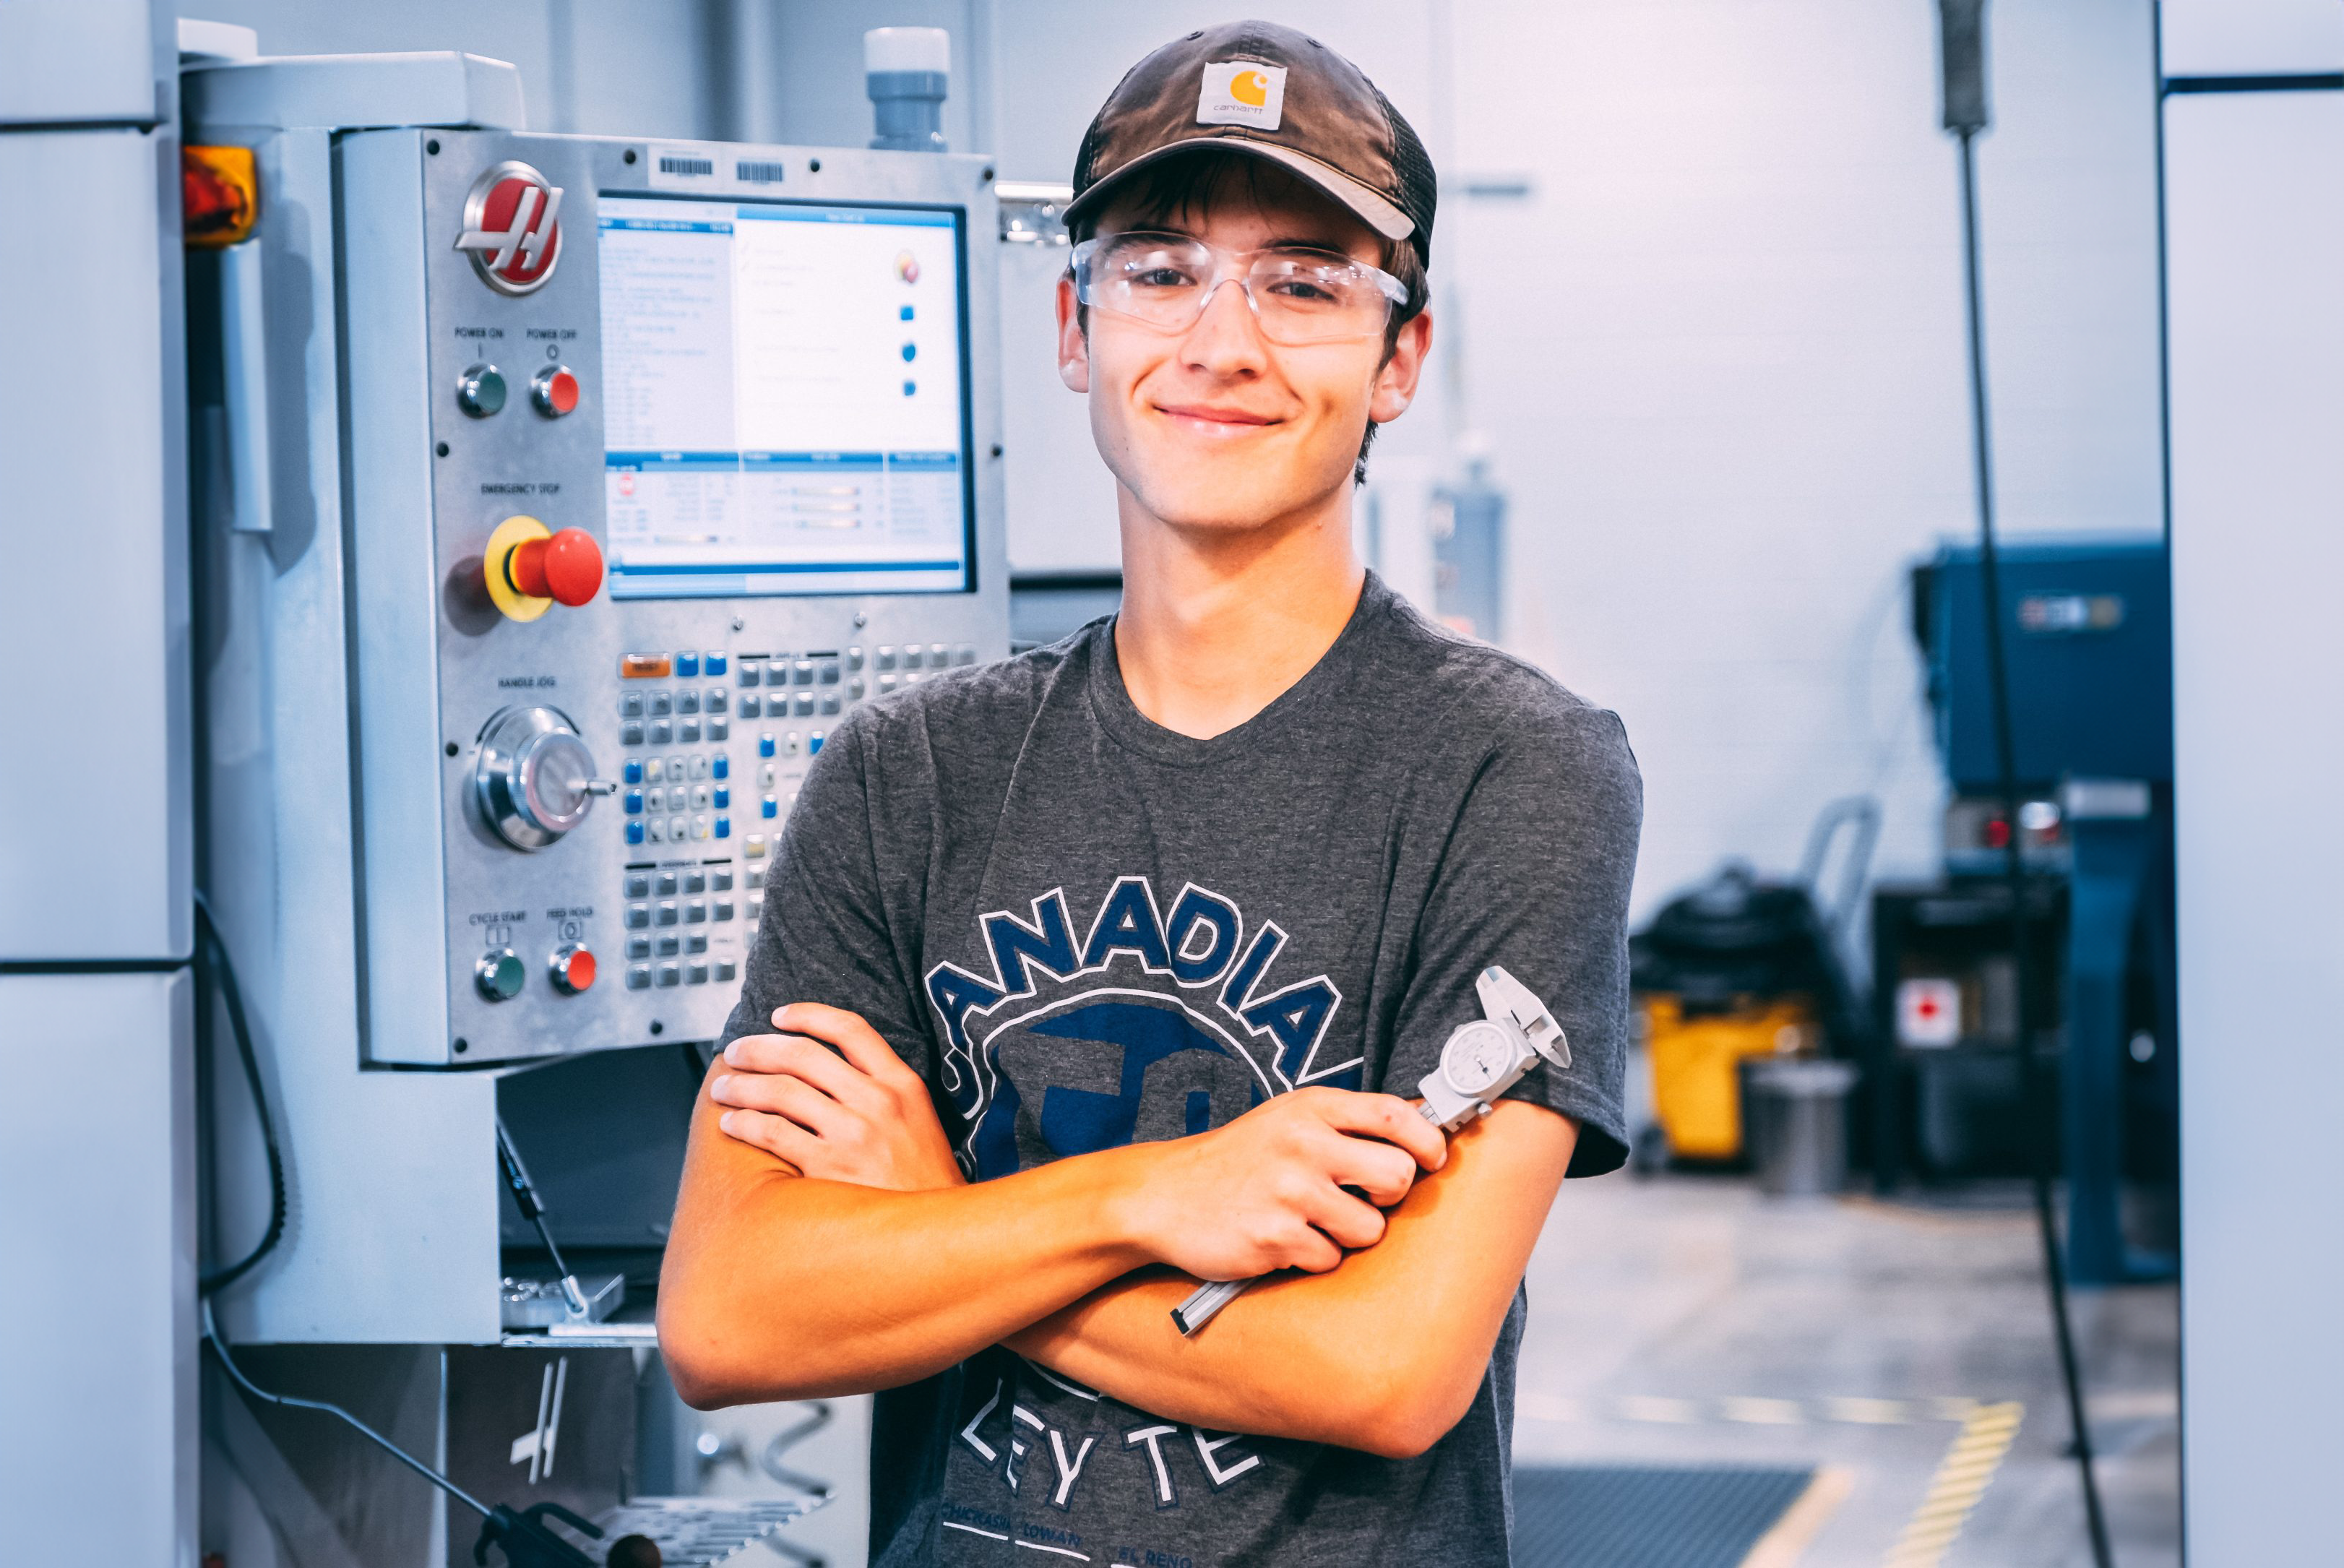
(513, 227)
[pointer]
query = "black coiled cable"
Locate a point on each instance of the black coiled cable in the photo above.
(218, 973)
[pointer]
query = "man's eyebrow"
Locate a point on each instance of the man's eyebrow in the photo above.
(1324, 244)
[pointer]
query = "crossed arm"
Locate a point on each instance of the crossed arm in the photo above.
(825, 1243)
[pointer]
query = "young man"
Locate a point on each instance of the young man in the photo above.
(1095, 973)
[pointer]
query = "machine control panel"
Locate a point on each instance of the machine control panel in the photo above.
(752, 485)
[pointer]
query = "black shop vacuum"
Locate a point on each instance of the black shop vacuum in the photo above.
(1743, 968)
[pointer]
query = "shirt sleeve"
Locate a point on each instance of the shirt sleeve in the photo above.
(822, 935)
(1535, 878)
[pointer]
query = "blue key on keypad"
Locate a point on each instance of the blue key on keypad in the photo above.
(687, 664)
(721, 767)
(635, 797)
(634, 832)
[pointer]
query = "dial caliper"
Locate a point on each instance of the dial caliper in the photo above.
(1480, 1061)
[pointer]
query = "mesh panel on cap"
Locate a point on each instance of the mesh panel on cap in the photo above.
(1420, 188)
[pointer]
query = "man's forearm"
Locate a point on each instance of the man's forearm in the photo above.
(1383, 1354)
(780, 1287)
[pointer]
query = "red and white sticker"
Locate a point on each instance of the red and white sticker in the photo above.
(1928, 1013)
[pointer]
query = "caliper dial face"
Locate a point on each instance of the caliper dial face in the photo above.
(1478, 1056)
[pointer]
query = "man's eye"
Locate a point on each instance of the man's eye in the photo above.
(1305, 291)
(1159, 276)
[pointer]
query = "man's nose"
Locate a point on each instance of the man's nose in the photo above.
(1227, 338)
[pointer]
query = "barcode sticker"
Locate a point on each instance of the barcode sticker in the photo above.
(682, 167)
(753, 172)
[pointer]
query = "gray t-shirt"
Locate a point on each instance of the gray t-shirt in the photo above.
(1085, 930)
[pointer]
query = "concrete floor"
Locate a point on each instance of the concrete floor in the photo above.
(1690, 1320)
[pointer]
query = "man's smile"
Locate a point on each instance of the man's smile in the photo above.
(1214, 420)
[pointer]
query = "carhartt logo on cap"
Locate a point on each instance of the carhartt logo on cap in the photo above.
(1241, 93)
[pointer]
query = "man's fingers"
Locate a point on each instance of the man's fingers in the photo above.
(1346, 1221)
(758, 1053)
(778, 1094)
(1315, 1252)
(777, 1135)
(849, 1033)
(1378, 1169)
(1387, 1117)
(798, 1057)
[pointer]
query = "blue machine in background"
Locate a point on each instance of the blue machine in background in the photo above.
(2088, 633)
(2087, 630)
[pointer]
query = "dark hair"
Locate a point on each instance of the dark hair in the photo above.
(1187, 184)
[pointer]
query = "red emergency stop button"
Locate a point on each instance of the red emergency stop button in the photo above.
(573, 968)
(554, 391)
(566, 568)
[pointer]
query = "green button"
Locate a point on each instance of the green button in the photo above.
(481, 390)
(502, 976)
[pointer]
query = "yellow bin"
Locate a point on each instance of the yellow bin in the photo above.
(1696, 1086)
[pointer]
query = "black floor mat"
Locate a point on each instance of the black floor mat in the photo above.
(1602, 1516)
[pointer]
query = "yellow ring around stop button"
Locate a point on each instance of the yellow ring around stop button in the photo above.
(511, 535)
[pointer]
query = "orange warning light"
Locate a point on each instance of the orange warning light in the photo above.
(219, 195)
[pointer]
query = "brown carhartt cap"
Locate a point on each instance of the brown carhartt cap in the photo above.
(1269, 91)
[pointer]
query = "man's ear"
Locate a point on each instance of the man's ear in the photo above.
(1074, 349)
(1396, 383)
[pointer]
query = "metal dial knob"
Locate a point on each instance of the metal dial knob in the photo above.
(535, 778)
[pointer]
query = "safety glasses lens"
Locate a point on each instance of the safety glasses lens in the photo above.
(1298, 296)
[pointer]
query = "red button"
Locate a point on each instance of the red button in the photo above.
(567, 568)
(573, 969)
(554, 391)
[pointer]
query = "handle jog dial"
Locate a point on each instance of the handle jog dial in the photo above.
(535, 779)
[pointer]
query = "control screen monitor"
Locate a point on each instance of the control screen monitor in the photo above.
(786, 399)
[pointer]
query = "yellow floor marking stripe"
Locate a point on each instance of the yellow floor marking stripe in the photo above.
(1795, 1531)
(1962, 1478)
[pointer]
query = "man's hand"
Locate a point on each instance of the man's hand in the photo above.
(834, 1100)
(1268, 1191)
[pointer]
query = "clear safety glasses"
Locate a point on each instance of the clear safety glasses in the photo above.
(1298, 296)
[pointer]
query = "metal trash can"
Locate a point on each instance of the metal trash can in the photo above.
(1797, 1125)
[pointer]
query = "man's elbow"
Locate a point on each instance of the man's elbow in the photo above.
(1410, 1414)
(718, 1350)
(704, 1375)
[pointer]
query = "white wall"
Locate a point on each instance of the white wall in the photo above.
(1720, 346)
(1721, 352)
(594, 66)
